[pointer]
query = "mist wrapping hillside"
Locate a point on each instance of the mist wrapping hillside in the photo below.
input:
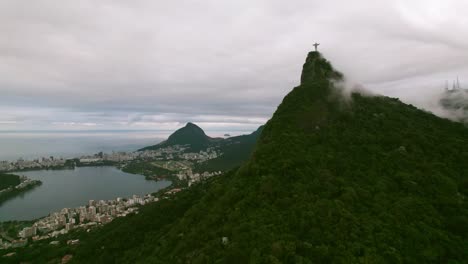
(454, 103)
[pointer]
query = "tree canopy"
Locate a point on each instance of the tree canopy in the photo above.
(332, 179)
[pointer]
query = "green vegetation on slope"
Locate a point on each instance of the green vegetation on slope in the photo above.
(153, 172)
(331, 180)
(7, 195)
(11, 180)
(190, 134)
(235, 151)
(147, 169)
(8, 180)
(366, 180)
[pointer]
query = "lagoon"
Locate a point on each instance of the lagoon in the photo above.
(74, 188)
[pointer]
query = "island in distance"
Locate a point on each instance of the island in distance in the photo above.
(331, 179)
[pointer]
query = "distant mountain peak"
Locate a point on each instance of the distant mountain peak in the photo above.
(195, 139)
(192, 128)
(190, 124)
(190, 134)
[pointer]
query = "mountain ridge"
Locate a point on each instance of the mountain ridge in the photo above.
(190, 134)
(363, 180)
(330, 181)
(233, 150)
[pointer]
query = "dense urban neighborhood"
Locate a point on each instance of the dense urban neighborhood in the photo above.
(94, 214)
(179, 159)
(173, 159)
(177, 152)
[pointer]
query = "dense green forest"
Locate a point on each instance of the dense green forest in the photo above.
(332, 179)
(11, 180)
(146, 169)
(153, 172)
(235, 151)
(8, 180)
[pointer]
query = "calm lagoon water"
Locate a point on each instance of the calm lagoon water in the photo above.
(73, 188)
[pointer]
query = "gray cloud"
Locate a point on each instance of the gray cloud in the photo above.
(157, 64)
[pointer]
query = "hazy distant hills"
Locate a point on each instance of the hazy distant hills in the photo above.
(332, 179)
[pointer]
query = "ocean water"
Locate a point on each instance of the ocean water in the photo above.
(70, 144)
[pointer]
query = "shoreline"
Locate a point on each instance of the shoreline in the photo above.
(24, 231)
(171, 181)
(13, 191)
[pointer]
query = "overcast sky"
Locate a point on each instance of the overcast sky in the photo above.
(224, 65)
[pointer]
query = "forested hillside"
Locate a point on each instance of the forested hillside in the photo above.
(235, 151)
(332, 179)
(191, 135)
(8, 180)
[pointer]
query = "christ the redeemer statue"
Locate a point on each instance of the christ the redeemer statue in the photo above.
(316, 45)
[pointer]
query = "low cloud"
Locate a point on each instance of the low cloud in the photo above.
(453, 105)
(155, 65)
